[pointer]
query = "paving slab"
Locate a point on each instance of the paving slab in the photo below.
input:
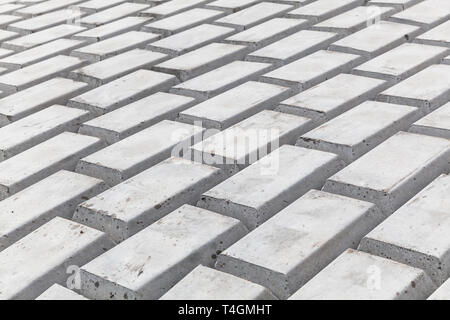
(111, 14)
(271, 184)
(140, 268)
(58, 292)
(438, 36)
(293, 246)
(399, 4)
(45, 7)
(98, 5)
(136, 116)
(205, 283)
(425, 14)
(405, 164)
(416, 234)
(124, 90)
(437, 123)
(57, 244)
(231, 5)
(172, 7)
(142, 200)
(234, 105)
(323, 9)
(25, 211)
(366, 277)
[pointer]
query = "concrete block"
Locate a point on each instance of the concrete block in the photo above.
(7, 19)
(172, 7)
(438, 36)
(332, 97)
(398, 4)
(60, 152)
(130, 119)
(98, 5)
(376, 39)
(251, 16)
(204, 283)
(38, 127)
(405, 164)
(7, 35)
(197, 62)
(360, 129)
(425, 14)
(435, 124)
(124, 90)
(421, 90)
(134, 154)
(270, 184)
(140, 201)
(323, 9)
(416, 234)
(57, 245)
(366, 277)
(9, 7)
(401, 62)
(191, 39)
(293, 47)
(235, 105)
(25, 211)
(311, 70)
(105, 71)
(147, 265)
(28, 101)
(115, 45)
(292, 247)
(231, 5)
(111, 14)
(221, 79)
(58, 292)
(44, 7)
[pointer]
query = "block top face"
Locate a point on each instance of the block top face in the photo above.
(298, 230)
(357, 275)
(439, 35)
(396, 159)
(422, 224)
(324, 8)
(426, 12)
(440, 118)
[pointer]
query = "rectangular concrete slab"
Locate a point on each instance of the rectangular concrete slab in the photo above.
(140, 201)
(124, 90)
(134, 154)
(366, 277)
(416, 234)
(323, 9)
(140, 268)
(39, 162)
(25, 211)
(405, 164)
(234, 105)
(293, 246)
(438, 36)
(231, 5)
(238, 146)
(108, 15)
(270, 184)
(92, 6)
(437, 123)
(425, 14)
(172, 7)
(204, 283)
(360, 129)
(127, 120)
(399, 4)
(57, 245)
(45, 7)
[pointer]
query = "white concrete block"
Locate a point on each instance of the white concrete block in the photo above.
(38, 127)
(45, 7)
(416, 234)
(401, 62)
(332, 97)
(311, 70)
(28, 167)
(115, 45)
(57, 245)
(297, 243)
(25, 211)
(231, 5)
(425, 14)
(376, 39)
(92, 6)
(7, 19)
(105, 71)
(293, 47)
(140, 201)
(191, 39)
(221, 79)
(270, 184)
(37, 73)
(28, 101)
(438, 36)
(207, 58)
(7, 35)
(404, 163)
(134, 154)
(435, 124)
(147, 265)
(58, 292)
(204, 283)
(421, 90)
(172, 7)
(251, 16)
(235, 105)
(323, 9)
(183, 21)
(124, 90)
(111, 14)
(399, 4)
(9, 7)
(366, 277)
(127, 120)
(360, 129)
